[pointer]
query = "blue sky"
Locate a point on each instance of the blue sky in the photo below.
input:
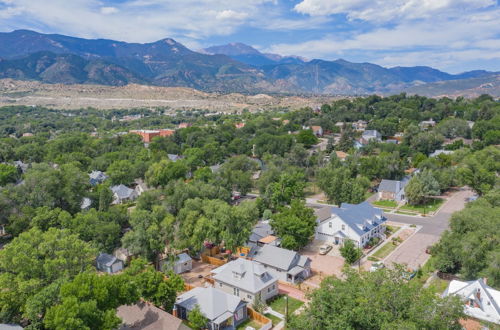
(452, 35)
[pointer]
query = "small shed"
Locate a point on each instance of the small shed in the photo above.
(183, 263)
(108, 263)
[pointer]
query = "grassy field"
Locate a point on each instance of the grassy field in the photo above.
(427, 208)
(385, 203)
(249, 323)
(273, 318)
(278, 304)
(389, 230)
(385, 250)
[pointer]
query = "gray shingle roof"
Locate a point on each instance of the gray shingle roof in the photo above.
(106, 259)
(182, 258)
(213, 302)
(276, 257)
(360, 217)
(393, 186)
(261, 230)
(244, 274)
(122, 191)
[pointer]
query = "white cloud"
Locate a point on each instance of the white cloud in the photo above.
(133, 20)
(389, 10)
(109, 10)
(442, 42)
(231, 14)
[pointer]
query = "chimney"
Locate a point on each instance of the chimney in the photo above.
(485, 280)
(174, 311)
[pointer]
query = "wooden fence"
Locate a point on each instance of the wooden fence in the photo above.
(213, 261)
(258, 317)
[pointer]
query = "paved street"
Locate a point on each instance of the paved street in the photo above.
(412, 251)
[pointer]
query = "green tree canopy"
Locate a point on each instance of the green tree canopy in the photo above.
(294, 224)
(377, 300)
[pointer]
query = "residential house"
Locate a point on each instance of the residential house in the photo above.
(441, 152)
(145, 316)
(166, 132)
(359, 125)
(317, 130)
(173, 157)
(140, 187)
(3, 232)
(426, 124)
(223, 310)
(23, 167)
(146, 134)
(184, 125)
(97, 177)
(123, 254)
(480, 300)
(247, 280)
(370, 135)
(286, 265)
(122, 194)
(341, 155)
(355, 222)
(239, 125)
(392, 189)
(108, 263)
(85, 204)
(215, 168)
(262, 233)
(180, 264)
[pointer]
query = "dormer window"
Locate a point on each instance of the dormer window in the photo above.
(343, 227)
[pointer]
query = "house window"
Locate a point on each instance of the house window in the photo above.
(220, 284)
(249, 296)
(329, 225)
(274, 286)
(343, 227)
(236, 292)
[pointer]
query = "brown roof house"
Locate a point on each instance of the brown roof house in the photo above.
(145, 316)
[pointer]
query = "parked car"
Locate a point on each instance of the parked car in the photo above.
(376, 266)
(236, 195)
(324, 249)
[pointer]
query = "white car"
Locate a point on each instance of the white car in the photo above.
(324, 249)
(376, 266)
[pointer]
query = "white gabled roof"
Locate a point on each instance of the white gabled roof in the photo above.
(486, 299)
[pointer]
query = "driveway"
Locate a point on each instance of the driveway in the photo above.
(412, 251)
(323, 265)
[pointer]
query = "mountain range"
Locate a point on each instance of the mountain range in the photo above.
(235, 67)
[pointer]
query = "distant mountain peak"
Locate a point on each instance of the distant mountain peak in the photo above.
(232, 49)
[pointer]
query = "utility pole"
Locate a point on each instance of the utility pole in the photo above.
(286, 310)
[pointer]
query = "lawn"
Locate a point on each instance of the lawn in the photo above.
(278, 304)
(273, 318)
(389, 230)
(249, 323)
(385, 250)
(385, 203)
(427, 208)
(438, 285)
(406, 213)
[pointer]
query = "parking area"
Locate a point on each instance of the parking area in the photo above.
(322, 265)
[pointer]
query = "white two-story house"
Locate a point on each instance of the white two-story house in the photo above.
(356, 222)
